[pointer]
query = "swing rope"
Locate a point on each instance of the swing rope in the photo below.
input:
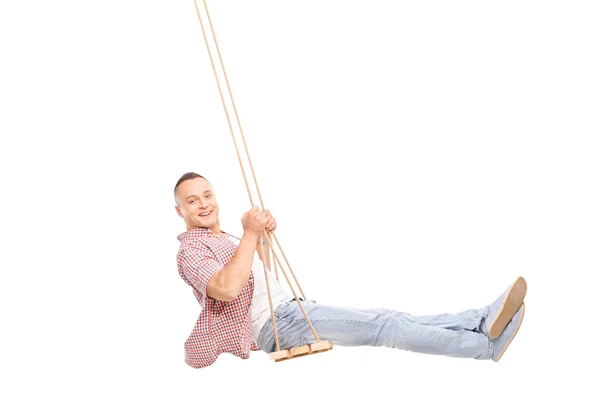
(267, 234)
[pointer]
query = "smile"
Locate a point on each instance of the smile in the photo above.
(205, 214)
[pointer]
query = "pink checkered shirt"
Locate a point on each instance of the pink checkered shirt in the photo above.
(222, 327)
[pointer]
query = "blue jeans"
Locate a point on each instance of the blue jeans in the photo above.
(454, 335)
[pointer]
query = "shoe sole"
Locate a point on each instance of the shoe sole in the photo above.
(512, 337)
(510, 305)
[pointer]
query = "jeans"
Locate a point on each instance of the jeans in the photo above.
(454, 335)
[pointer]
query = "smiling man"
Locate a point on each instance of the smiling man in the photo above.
(228, 280)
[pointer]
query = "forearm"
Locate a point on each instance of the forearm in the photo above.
(266, 250)
(230, 281)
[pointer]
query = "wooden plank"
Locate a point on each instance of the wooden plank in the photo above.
(323, 345)
(298, 351)
(280, 355)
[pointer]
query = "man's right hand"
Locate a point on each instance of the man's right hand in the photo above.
(254, 220)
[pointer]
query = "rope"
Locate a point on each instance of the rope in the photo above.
(267, 234)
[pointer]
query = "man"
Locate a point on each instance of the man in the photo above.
(228, 280)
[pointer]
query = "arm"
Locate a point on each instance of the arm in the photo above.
(227, 283)
(270, 227)
(267, 250)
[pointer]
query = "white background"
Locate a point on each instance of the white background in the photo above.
(417, 155)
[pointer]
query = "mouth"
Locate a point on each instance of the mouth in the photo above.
(204, 215)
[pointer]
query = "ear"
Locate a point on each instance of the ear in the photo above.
(178, 211)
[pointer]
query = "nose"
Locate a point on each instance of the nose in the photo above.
(202, 203)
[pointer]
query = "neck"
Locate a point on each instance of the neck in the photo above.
(216, 230)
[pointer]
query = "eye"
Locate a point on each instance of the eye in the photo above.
(191, 201)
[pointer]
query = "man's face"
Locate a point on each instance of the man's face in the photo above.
(196, 198)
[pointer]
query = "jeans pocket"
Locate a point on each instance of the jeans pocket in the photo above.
(281, 310)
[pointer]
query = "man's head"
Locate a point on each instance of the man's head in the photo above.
(194, 198)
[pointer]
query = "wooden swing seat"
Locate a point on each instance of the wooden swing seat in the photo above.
(295, 352)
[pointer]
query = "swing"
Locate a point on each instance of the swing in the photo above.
(279, 355)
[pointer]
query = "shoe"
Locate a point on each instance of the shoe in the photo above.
(501, 344)
(501, 311)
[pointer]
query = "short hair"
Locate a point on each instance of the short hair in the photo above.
(186, 177)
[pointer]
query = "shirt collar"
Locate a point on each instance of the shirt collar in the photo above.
(197, 233)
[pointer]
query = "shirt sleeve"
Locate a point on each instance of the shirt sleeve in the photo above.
(198, 264)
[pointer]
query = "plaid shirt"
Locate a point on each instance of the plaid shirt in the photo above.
(222, 327)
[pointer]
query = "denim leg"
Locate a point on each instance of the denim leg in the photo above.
(347, 326)
(465, 320)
